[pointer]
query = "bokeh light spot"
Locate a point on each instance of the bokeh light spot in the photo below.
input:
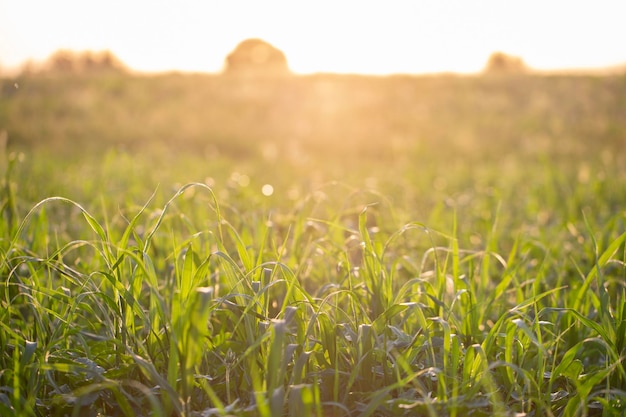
(267, 190)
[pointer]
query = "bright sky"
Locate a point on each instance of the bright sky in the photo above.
(374, 37)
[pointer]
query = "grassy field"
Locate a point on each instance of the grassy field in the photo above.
(195, 245)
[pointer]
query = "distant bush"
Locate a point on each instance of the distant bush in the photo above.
(501, 63)
(255, 56)
(66, 61)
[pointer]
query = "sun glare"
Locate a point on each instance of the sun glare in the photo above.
(323, 36)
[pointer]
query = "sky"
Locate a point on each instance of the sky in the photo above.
(346, 36)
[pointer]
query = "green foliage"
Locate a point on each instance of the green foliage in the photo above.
(449, 278)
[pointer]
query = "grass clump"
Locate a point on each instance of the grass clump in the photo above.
(165, 316)
(446, 274)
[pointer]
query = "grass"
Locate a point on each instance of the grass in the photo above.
(467, 280)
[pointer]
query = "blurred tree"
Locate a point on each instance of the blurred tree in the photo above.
(501, 63)
(83, 62)
(28, 67)
(61, 61)
(255, 56)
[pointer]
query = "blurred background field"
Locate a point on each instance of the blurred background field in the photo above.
(529, 142)
(491, 201)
